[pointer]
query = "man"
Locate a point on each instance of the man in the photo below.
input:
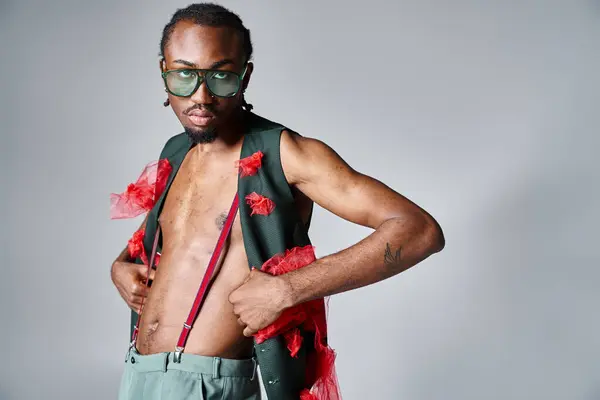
(206, 52)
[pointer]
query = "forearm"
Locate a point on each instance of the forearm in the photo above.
(407, 243)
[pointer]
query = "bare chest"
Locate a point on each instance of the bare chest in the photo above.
(198, 202)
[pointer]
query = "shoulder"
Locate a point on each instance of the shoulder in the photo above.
(302, 158)
(305, 157)
(295, 145)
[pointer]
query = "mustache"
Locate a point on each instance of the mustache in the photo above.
(202, 107)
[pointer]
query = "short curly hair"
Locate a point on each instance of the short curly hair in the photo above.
(208, 14)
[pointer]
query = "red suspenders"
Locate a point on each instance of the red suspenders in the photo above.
(187, 325)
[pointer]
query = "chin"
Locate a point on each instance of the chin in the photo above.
(201, 135)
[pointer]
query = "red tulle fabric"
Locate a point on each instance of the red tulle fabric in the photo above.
(321, 377)
(141, 196)
(135, 246)
(260, 204)
(249, 166)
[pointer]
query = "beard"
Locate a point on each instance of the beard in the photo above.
(198, 136)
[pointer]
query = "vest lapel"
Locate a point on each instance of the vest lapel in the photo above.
(152, 225)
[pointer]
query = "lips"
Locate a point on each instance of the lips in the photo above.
(199, 117)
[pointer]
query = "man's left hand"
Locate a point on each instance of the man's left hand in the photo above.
(260, 300)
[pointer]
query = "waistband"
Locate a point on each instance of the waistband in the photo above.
(215, 366)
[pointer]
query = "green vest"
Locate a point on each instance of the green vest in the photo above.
(264, 236)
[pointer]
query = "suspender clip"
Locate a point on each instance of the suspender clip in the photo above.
(177, 355)
(131, 346)
(254, 368)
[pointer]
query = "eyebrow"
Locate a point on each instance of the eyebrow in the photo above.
(214, 65)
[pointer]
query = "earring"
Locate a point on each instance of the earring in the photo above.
(167, 102)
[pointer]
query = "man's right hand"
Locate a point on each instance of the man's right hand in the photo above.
(130, 280)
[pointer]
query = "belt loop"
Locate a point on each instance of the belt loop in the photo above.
(165, 362)
(217, 367)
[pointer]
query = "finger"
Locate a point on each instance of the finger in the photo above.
(253, 271)
(137, 308)
(232, 297)
(240, 322)
(138, 289)
(152, 273)
(146, 284)
(248, 332)
(131, 298)
(136, 300)
(131, 266)
(135, 304)
(142, 270)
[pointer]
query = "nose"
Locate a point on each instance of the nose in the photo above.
(202, 95)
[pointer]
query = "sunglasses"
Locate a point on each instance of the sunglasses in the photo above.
(184, 82)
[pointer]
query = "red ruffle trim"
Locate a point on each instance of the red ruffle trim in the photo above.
(311, 316)
(249, 166)
(135, 246)
(141, 196)
(260, 204)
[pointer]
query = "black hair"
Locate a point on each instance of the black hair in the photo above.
(208, 14)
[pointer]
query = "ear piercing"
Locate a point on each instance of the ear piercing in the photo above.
(167, 102)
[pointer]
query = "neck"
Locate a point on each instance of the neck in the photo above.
(229, 136)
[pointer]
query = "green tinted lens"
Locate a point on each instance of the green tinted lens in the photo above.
(222, 83)
(181, 83)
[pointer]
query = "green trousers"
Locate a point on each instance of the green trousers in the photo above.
(157, 377)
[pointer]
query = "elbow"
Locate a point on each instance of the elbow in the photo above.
(435, 237)
(113, 272)
(424, 234)
(432, 236)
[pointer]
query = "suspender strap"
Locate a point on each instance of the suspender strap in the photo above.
(187, 326)
(150, 263)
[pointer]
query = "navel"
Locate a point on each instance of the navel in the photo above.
(152, 327)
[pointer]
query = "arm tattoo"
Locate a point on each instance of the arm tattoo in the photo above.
(391, 261)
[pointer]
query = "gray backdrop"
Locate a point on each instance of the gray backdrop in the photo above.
(484, 113)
